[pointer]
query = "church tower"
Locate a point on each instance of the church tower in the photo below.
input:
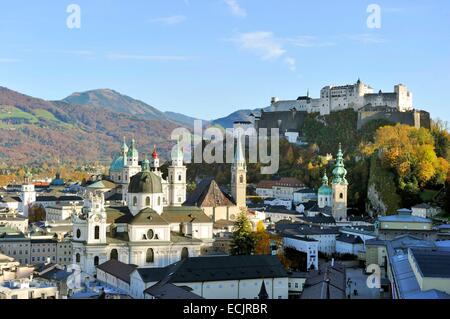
(339, 187)
(89, 233)
(177, 178)
(325, 193)
(28, 194)
(155, 162)
(239, 176)
(132, 165)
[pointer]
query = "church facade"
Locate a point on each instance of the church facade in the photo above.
(151, 228)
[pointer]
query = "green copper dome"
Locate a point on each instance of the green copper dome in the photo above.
(117, 164)
(325, 189)
(133, 152)
(339, 171)
(145, 182)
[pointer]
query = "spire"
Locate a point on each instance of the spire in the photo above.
(155, 153)
(325, 179)
(145, 165)
(240, 155)
(124, 146)
(339, 171)
(263, 295)
(307, 93)
(132, 151)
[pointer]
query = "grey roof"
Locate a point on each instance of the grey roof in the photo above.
(306, 191)
(350, 239)
(319, 219)
(432, 263)
(209, 194)
(170, 291)
(217, 268)
(118, 269)
(423, 205)
(404, 219)
(327, 283)
(305, 230)
(145, 182)
(147, 216)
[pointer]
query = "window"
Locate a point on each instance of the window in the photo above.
(78, 234)
(134, 201)
(179, 178)
(150, 256)
(114, 254)
(150, 234)
(159, 201)
(184, 253)
(341, 196)
(241, 179)
(97, 232)
(77, 258)
(96, 261)
(147, 201)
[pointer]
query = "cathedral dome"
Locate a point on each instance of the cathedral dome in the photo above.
(325, 190)
(145, 182)
(117, 164)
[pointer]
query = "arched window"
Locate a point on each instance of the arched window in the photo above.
(97, 232)
(184, 253)
(77, 258)
(341, 196)
(78, 233)
(114, 254)
(147, 201)
(134, 201)
(241, 179)
(179, 178)
(96, 261)
(150, 256)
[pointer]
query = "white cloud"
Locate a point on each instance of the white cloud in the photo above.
(122, 56)
(367, 38)
(291, 63)
(236, 9)
(308, 41)
(170, 20)
(260, 43)
(8, 60)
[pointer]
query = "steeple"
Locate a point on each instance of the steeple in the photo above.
(325, 179)
(145, 165)
(239, 157)
(239, 176)
(155, 160)
(339, 171)
(124, 147)
(263, 295)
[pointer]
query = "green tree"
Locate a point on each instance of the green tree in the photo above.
(243, 242)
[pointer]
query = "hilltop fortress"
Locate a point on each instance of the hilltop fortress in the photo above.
(397, 107)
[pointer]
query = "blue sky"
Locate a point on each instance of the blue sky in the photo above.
(207, 58)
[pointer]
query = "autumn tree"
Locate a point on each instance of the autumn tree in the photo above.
(243, 240)
(262, 240)
(410, 153)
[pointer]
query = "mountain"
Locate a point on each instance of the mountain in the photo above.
(227, 122)
(183, 119)
(33, 131)
(116, 102)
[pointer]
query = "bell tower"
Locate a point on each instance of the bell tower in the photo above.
(239, 176)
(177, 178)
(28, 194)
(340, 188)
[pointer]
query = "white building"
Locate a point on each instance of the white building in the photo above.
(306, 245)
(28, 289)
(228, 277)
(283, 188)
(349, 244)
(354, 96)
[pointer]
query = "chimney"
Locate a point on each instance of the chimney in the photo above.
(274, 100)
(332, 262)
